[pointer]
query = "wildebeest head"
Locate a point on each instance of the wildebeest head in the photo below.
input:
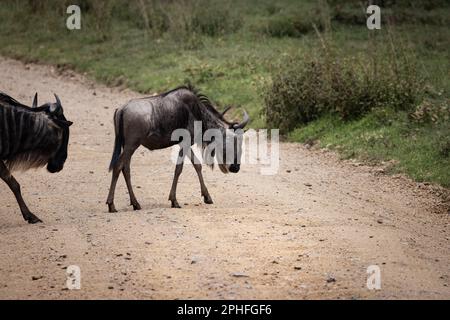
(56, 113)
(231, 150)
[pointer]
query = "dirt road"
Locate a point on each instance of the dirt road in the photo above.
(310, 231)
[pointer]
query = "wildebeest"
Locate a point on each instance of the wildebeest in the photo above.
(151, 121)
(31, 137)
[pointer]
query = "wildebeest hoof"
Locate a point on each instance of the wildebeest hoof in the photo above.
(175, 204)
(111, 208)
(208, 200)
(32, 219)
(136, 206)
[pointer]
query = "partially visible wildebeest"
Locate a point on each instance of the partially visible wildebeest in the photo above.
(31, 137)
(151, 121)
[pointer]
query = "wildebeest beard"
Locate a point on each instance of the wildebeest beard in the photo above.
(56, 163)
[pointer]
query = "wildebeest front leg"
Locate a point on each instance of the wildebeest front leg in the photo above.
(198, 168)
(178, 170)
(15, 188)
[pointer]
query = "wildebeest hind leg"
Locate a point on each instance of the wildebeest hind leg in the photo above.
(15, 188)
(198, 168)
(112, 188)
(127, 175)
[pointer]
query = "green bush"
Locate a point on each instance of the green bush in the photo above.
(291, 25)
(347, 86)
(431, 111)
(212, 19)
(185, 17)
(433, 12)
(272, 8)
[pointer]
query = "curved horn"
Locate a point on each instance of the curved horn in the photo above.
(226, 110)
(55, 107)
(57, 100)
(35, 100)
(244, 122)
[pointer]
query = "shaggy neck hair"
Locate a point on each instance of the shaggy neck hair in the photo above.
(28, 138)
(203, 109)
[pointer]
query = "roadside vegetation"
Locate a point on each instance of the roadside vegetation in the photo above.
(310, 68)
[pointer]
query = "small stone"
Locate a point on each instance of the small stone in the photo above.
(239, 275)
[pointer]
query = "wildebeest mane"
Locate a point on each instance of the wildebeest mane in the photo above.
(203, 99)
(6, 99)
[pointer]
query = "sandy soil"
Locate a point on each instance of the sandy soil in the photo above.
(310, 231)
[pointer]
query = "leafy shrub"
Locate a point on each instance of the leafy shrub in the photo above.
(291, 25)
(152, 15)
(212, 19)
(444, 148)
(430, 112)
(347, 86)
(292, 99)
(185, 17)
(431, 12)
(101, 11)
(272, 8)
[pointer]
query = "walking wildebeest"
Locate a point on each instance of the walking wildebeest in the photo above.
(31, 138)
(151, 121)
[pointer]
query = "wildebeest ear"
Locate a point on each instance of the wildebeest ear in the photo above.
(63, 123)
(35, 101)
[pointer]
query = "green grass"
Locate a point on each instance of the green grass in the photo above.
(235, 67)
(421, 151)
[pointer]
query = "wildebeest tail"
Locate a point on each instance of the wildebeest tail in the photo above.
(119, 141)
